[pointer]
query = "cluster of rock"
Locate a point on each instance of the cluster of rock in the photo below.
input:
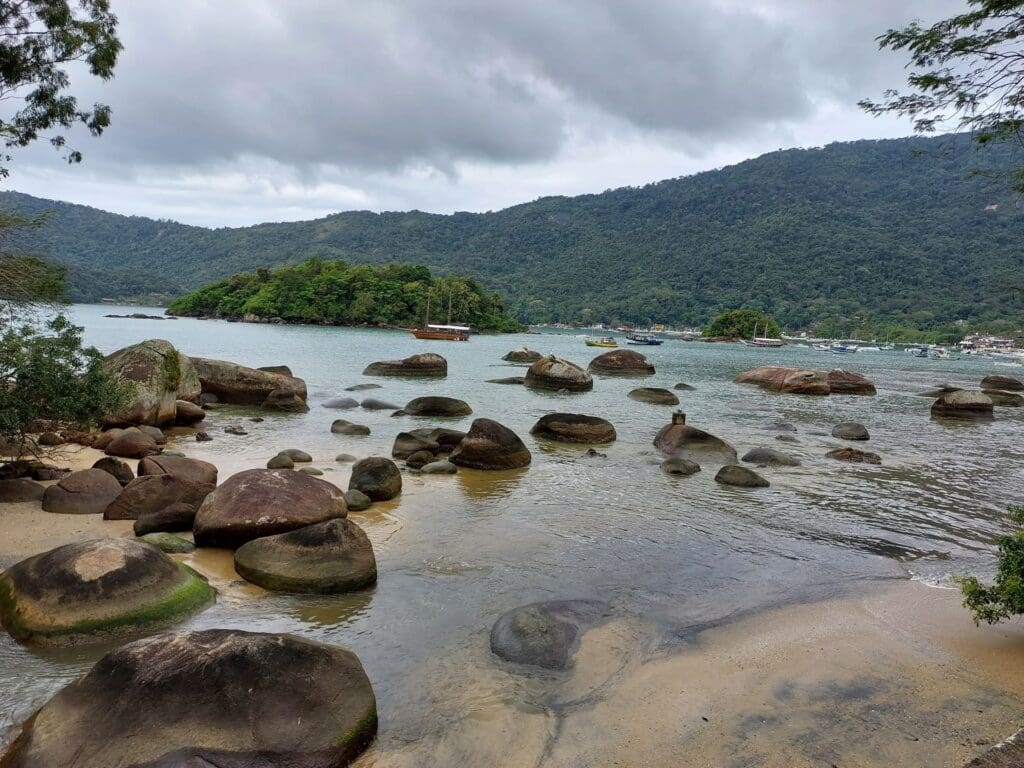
(800, 381)
(426, 449)
(996, 391)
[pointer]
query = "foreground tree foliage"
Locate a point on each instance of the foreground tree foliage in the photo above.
(336, 293)
(38, 40)
(1005, 597)
(743, 324)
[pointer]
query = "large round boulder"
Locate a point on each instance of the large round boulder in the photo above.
(194, 470)
(437, 406)
(187, 413)
(545, 634)
(132, 444)
(97, 589)
(574, 428)
(963, 404)
(522, 355)
(326, 558)
(556, 374)
(621, 362)
(678, 439)
(850, 430)
(787, 380)
(264, 502)
(654, 395)
(151, 493)
(377, 477)
(842, 382)
(241, 385)
(741, 477)
(218, 697)
(1005, 383)
(86, 492)
(118, 468)
(155, 376)
(344, 427)
(490, 445)
(428, 364)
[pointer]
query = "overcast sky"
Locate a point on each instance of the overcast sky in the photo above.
(240, 111)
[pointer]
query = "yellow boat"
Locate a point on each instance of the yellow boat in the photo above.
(607, 341)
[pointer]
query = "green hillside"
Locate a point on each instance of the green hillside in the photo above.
(887, 232)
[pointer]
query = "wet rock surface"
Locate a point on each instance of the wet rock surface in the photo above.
(740, 477)
(428, 364)
(377, 477)
(621, 362)
(491, 446)
(574, 428)
(545, 634)
(554, 373)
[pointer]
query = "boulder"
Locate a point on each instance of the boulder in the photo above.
(97, 589)
(419, 459)
(346, 458)
(362, 387)
(151, 493)
(178, 516)
(490, 445)
(169, 543)
(621, 362)
(556, 374)
(741, 477)
(280, 461)
(118, 468)
(522, 355)
(508, 380)
(842, 382)
(1005, 383)
(199, 699)
(787, 380)
(155, 432)
(296, 455)
(574, 428)
(373, 404)
(131, 444)
(357, 501)
(285, 401)
(264, 502)
(187, 413)
(284, 370)
(20, 489)
(340, 403)
(447, 439)
(194, 470)
(342, 427)
(408, 443)
(678, 466)
(86, 492)
(428, 364)
(439, 468)
(156, 376)
(769, 457)
(311, 471)
(683, 387)
(680, 440)
(854, 455)
(850, 430)
(49, 439)
(1001, 399)
(437, 406)
(105, 438)
(327, 558)
(654, 395)
(377, 477)
(238, 384)
(545, 634)
(963, 404)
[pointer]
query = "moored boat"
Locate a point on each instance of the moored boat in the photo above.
(842, 349)
(643, 339)
(607, 342)
(442, 332)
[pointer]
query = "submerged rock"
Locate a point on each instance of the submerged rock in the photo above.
(241, 385)
(377, 477)
(326, 558)
(437, 406)
(850, 430)
(553, 373)
(1005, 383)
(621, 362)
(545, 634)
(219, 697)
(574, 428)
(428, 364)
(854, 455)
(769, 457)
(654, 395)
(678, 466)
(508, 380)
(97, 589)
(340, 403)
(361, 387)
(490, 445)
(683, 386)
(86, 492)
(734, 474)
(963, 404)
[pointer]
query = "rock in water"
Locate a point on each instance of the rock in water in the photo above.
(131, 444)
(682, 386)
(621, 362)
(556, 374)
(373, 404)
(1001, 399)
(963, 404)
(86, 492)
(490, 445)
(285, 401)
(297, 455)
(264, 502)
(508, 380)
(545, 634)
(193, 470)
(1005, 383)
(119, 469)
(522, 355)
(439, 468)
(733, 474)
(377, 477)
(340, 403)
(654, 395)
(854, 455)
(168, 542)
(241, 385)
(850, 430)
(574, 428)
(97, 589)
(342, 427)
(200, 699)
(408, 443)
(326, 558)
(769, 457)
(681, 440)
(428, 364)
(187, 413)
(362, 387)
(357, 501)
(152, 493)
(158, 376)
(437, 406)
(679, 466)
(788, 380)
(842, 382)
(447, 439)
(281, 461)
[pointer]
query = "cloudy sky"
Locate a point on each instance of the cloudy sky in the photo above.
(241, 111)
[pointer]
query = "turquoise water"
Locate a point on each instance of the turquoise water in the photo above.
(454, 552)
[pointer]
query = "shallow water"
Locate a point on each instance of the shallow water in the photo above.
(454, 552)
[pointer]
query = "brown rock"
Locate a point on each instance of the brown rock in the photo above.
(132, 445)
(154, 492)
(678, 439)
(158, 376)
(490, 445)
(556, 374)
(286, 401)
(239, 384)
(188, 413)
(522, 355)
(787, 380)
(377, 477)
(119, 469)
(842, 382)
(428, 364)
(574, 428)
(194, 470)
(20, 489)
(1005, 383)
(854, 455)
(86, 492)
(963, 404)
(621, 362)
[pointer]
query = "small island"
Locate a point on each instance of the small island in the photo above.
(333, 292)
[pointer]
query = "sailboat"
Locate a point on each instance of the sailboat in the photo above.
(433, 332)
(762, 341)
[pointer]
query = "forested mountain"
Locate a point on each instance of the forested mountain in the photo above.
(878, 232)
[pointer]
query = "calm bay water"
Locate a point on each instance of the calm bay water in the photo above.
(454, 552)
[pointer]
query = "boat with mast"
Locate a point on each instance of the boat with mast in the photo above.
(434, 332)
(762, 341)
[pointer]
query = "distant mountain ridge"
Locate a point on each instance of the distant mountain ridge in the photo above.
(900, 231)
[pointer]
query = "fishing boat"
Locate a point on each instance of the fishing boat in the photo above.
(607, 342)
(643, 339)
(762, 341)
(434, 332)
(842, 349)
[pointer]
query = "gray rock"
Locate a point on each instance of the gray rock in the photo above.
(419, 459)
(769, 457)
(340, 403)
(311, 471)
(362, 387)
(654, 395)
(677, 466)
(346, 458)
(407, 443)
(850, 430)
(741, 477)
(508, 380)
(437, 406)
(545, 634)
(684, 387)
(342, 427)
(377, 477)
(373, 404)
(235, 430)
(281, 462)
(299, 457)
(439, 468)
(357, 500)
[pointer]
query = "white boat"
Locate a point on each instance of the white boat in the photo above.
(869, 348)
(841, 349)
(822, 348)
(763, 341)
(887, 347)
